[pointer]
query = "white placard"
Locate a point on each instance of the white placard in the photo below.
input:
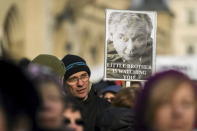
(130, 44)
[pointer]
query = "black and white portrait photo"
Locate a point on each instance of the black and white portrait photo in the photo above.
(130, 40)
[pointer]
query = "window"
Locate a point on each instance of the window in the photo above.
(93, 52)
(190, 50)
(191, 17)
(68, 46)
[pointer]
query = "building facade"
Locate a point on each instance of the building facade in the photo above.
(184, 32)
(58, 27)
(164, 23)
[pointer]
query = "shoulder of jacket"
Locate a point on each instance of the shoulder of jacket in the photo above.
(103, 102)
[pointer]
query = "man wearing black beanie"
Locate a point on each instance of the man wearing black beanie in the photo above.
(76, 81)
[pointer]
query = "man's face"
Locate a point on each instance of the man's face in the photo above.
(79, 84)
(130, 41)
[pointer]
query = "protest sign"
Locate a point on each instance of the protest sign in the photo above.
(130, 44)
(184, 64)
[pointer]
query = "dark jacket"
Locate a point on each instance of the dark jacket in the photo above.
(92, 108)
(117, 119)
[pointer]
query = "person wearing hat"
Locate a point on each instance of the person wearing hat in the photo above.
(109, 92)
(77, 83)
(52, 62)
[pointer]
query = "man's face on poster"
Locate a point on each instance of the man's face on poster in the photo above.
(130, 39)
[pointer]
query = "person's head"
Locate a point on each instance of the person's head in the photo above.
(109, 92)
(130, 33)
(76, 78)
(136, 85)
(19, 99)
(126, 97)
(167, 103)
(101, 85)
(49, 87)
(109, 96)
(52, 62)
(23, 63)
(72, 116)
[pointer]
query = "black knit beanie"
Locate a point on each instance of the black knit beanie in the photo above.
(74, 64)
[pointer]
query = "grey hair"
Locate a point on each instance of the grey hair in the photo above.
(132, 20)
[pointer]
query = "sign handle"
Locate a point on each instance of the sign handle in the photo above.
(128, 84)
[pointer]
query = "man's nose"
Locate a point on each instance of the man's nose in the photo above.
(80, 82)
(129, 48)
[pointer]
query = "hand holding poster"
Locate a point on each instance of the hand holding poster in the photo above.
(130, 44)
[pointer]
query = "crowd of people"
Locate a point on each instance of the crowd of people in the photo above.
(49, 94)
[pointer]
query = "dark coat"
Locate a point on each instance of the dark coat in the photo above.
(92, 108)
(117, 119)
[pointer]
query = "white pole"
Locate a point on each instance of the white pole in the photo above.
(128, 84)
